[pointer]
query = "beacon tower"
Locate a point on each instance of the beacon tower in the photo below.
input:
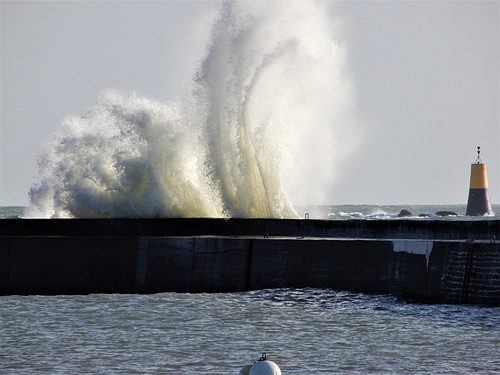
(479, 199)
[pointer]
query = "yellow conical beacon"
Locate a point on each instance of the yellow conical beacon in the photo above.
(479, 198)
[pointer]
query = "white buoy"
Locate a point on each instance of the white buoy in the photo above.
(265, 367)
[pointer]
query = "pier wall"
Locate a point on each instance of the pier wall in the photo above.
(126, 256)
(388, 229)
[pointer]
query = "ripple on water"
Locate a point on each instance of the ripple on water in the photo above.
(303, 330)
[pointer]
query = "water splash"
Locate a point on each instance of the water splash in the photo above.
(272, 84)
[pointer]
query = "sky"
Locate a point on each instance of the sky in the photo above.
(425, 75)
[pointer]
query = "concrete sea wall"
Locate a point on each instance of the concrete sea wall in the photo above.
(425, 260)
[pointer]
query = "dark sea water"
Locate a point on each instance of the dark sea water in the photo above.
(305, 331)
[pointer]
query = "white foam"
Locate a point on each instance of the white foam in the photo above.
(268, 100)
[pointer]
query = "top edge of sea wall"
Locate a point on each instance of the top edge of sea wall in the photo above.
(383, 229)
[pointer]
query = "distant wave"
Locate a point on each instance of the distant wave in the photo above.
(388, 212)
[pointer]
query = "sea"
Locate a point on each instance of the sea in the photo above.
(304, 331)
(349, 212)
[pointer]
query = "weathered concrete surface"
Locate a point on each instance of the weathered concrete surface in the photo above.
(144, 256)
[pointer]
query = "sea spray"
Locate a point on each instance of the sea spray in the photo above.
(267, 102)
(128, 156)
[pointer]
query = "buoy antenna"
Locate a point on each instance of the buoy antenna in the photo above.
(263, 367)
(478, 160)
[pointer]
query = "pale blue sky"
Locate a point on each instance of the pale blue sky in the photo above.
(426, 76)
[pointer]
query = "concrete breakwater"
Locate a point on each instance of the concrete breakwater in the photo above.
(426, 260)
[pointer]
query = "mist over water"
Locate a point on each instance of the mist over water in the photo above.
(258, 131)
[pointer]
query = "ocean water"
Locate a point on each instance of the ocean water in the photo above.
(304, 331)
(384, 212)
(349, 212)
